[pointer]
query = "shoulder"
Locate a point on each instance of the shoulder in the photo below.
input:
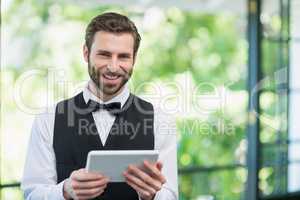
(161, 113)
(72, 101)
(44, 120)
(164, 118)
(137, 104)
(42, 127)
(138, 101)
(46, 114)
(165, 130)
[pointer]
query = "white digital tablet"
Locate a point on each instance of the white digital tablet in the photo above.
(114, 163)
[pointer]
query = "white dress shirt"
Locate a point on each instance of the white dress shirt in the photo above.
(39, 180)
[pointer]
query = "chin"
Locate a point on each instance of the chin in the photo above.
(111, 90)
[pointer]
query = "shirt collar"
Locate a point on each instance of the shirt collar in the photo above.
(122, 97)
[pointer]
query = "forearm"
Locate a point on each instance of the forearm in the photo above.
(43, 192)
(166, 194)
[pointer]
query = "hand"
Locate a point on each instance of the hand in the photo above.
(84, 185)
(146, 184)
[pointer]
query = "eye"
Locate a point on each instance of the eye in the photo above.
(124, 56)
(106, 55)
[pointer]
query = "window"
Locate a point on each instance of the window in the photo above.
(197, 53)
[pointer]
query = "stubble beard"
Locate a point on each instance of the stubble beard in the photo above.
(103, 88)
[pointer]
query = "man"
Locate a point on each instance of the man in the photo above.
(94, 120)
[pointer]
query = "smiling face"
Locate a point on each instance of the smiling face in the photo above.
(110, 61)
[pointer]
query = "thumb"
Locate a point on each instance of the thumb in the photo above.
(159, 165)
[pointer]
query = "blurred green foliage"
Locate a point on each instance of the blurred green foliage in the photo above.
(205, 48)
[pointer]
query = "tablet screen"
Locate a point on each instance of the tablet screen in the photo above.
(114, 163)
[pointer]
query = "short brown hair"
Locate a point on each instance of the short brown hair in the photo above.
(113, 23)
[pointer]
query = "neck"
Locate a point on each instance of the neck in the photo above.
(98, 93)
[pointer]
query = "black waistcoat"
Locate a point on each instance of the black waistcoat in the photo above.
(75, 134)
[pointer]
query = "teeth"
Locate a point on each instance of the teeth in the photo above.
(111, 77)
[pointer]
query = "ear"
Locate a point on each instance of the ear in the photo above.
(85, 53)
(134, 59)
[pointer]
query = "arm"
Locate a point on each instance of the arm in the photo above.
(39, 177)
(166, 143)
(161, 183)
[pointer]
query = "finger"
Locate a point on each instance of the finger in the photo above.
(139, 182)
(97, 194)
(156, 184)
(154, 171)
(89, 184)
(86, 197)
(138, 189)
(159, 165)
(155, 168)
(88, 192)
(83, 175)
(83, 170)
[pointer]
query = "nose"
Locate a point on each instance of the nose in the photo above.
(113, 65)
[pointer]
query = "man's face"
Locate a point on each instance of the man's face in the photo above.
(110, 60)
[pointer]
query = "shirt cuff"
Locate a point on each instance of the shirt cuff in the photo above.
(142, 199)
(58, 191)
(165, 194)
(162, 194)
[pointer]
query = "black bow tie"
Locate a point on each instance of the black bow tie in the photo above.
(110, 107)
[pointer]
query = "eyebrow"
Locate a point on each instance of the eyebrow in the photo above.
(125, 55)
(103, 51)
(109, 53)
